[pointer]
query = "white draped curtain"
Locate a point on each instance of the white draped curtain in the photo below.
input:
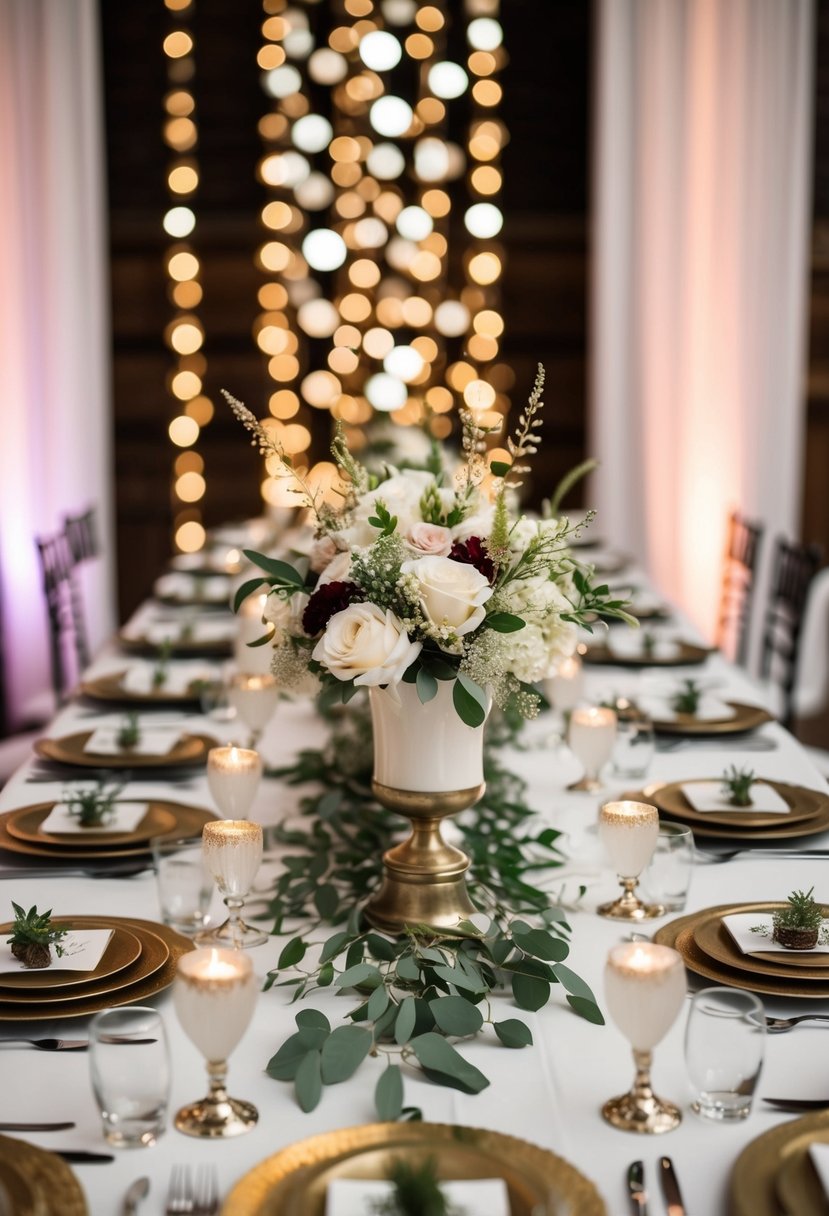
(702, 164)
(55, 454)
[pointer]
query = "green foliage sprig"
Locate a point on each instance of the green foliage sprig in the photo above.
(91, 805)
(129, 732)
(737, 783)
(801, 912)
(416, 1191)
(687, 700)
(33, 935)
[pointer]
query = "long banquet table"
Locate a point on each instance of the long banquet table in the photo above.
(549, 1094)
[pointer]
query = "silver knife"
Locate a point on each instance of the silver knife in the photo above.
(636, 1189)
(798, 1104)
(136, 1192)
(35, 1127)
(670, 1187)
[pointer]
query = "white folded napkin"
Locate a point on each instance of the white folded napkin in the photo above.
(84, 949)
(158, 632)
(820, 1160)
(357, 1196)
(125, 817)
(213, 589)
(138, 678)
(660, 708)
(153, 741)
(708, 796)
(740, 924)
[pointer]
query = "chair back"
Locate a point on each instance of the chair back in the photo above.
(56, 572)
(794, 569)
(740, 561)
(82, 535)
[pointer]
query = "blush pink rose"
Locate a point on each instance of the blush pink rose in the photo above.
(430, 539)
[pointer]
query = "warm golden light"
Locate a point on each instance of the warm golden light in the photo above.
(190, 487)
(183, 431)
(183, 179)
(185, 385)
(177, 44)
(183, 266)
(200, 409)
(429, 18)
(190, 537)
(484, 268)
(186, 337)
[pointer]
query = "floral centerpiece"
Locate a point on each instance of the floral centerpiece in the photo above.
(423, 577)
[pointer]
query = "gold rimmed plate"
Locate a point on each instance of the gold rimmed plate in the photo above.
(816, 823)
(109, 688)
(713, 939)
(123, 949)
(687, 655)
(133, 985)
(69, 749)
(25, 824)
(803, 804)
(294, 1182)
(189, 822)
(679, 933)
(744, 718)
(775, 1169)
(39, 1182)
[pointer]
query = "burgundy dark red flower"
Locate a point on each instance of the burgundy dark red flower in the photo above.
(325, 602)
(473, 553)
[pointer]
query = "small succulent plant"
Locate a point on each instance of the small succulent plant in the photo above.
(160, 671)
(416, 1191)
(686, 701)
(129, 733)
(648, 643)
(799, 925)
(33, 936)
(737, 783)
(92, 805)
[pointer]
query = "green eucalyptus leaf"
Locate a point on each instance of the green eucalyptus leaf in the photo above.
(343, 1052)
(588, 1010)
(388, 1094)
(501, 949)
(354, 954)
(529, 992)
(505, 622)
(499, 468)
(377, 1003)
(454, 975)
(292, 953)
(443, 1064)
(283, 1065)
(327, 901)
(325, 975)
(407, 969)
(574, 983)
(427, 686)
(470, 701)
(362, 973)
(246, 589)
(380, 947)
(281, 573)
(513, 1033)
(334, 946)
(541, 944)
(456, 1016)
(405, 1022)
(308, 1081)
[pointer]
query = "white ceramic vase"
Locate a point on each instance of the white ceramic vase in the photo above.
(424, 747)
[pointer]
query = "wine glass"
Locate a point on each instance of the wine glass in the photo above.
(564, 689)
(591, 735)
(254, 698)
(233, 774)
(232, 854)
(644, 991)
(214, 996)
(629, 832)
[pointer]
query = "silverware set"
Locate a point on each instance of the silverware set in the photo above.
(190, 1195)
(638, 1194)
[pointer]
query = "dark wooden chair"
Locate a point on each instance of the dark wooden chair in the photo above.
(81, 534)
(794, 569)
(740, 562)
(65, 654)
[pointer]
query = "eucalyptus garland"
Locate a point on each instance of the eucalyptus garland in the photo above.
(416, 992)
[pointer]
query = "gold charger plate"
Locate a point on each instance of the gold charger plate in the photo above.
(218, 648)
(688, 656)
(293, 1182)
(109, 688)
(44, 1179)
(189, 822)
(131, 988)
(679, 933)
(815, 824)
(122, 950)
(803, 804)
(766, 1164)
(25, 825)
(69, 749)
(744, 718)
(713, 939)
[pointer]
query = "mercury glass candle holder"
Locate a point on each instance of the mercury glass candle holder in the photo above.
(644, 992)
(232, 855)
(591, 735)
(254, 697)
(233, 774)
(214, 997)
(629, 832)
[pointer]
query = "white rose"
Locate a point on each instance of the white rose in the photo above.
(451, 593)
(323, 551)
(430, 539)
(367, 645)
(336, 571)
(285, 614)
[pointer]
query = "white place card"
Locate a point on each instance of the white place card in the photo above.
(710, 709)
(740, 925)
(84, 949)
(153, 741)
(357, 1196)
(708, 796)
(215, 588)
(138, 679)
(125, 817)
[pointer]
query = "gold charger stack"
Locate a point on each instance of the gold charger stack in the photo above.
(773, 1173)
(19, 833)
(808, 812)
(37, 1182)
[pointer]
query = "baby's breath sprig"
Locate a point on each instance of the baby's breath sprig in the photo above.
(269, 445)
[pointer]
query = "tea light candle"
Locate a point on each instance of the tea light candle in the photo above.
(214, 997)
(233, 774)
(565, 687)
(645, 990)
(629, 831)
(254, 697)
(591, 736)
(232, 854)
(249, 628)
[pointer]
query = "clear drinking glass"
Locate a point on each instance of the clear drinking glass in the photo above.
(724, 1042)
(185, 887)
(590, 735)
(233, 854)
(129, 1064)
(635, 741)
(668, 876)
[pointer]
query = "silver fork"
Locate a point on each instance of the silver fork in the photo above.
(716, 857)
(206, 1191)
(180, 1200)
(781, 1025)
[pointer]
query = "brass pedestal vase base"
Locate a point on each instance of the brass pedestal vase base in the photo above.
(217, 1116)
(586, 785)
(425, 878)
(641, 1110)
(628, 906)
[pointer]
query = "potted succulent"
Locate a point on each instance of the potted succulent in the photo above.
(798, 925)
(92, 806)
(736, 784)
(129, 733)
(33, 936)
(687, 700)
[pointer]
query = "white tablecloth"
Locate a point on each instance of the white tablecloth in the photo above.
(550, 1093)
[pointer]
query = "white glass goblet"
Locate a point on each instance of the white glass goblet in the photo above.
(254, 697)
(591, 735)
(233, 774)
(214, 996)
(644, 991)
(629, 832)
(232, 854)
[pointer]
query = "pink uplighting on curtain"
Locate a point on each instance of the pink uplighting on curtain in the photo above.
(701, 225)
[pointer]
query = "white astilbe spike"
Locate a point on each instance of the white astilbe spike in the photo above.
(269, 445)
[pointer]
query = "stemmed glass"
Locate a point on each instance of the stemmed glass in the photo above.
(254, 697)
(629, 832)
(233, 774)
(232, 855)
(644, 991)
(591, 735)
(214, 996)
